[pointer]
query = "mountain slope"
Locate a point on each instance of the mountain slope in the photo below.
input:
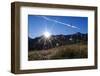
(41, 42)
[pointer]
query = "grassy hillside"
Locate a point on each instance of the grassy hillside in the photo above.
(62, 52)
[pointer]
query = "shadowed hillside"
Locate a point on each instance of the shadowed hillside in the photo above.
(41, 43)
(58, 47)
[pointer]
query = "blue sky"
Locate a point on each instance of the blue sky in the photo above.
(56, 25)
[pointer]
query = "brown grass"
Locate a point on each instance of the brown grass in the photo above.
(62, 52)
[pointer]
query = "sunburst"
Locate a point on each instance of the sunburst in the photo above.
(47, 34)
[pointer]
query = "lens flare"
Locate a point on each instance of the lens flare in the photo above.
(47, 34)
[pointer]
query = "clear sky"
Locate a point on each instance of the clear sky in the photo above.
(56, 25)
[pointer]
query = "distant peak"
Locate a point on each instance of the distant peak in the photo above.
(78, 33)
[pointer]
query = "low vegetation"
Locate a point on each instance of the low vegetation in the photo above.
(73, 51)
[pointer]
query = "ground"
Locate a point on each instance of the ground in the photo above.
(72, 51)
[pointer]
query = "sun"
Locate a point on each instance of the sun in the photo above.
(47, 34)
